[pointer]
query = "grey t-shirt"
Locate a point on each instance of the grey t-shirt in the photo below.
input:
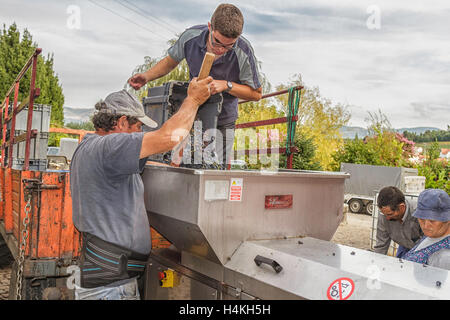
(108, 192)
(406, 232)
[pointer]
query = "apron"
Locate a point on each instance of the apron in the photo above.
(421, 256)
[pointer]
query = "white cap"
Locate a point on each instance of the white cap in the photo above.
(124, 103)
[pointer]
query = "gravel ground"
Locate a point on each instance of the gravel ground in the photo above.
(5, 275)
(355, 232)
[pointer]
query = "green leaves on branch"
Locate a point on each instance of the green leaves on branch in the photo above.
(14, 53)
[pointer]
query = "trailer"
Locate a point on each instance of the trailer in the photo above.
(366, 180)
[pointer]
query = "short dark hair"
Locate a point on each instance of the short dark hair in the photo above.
(390, 196)
(228, 20)
(107, 121)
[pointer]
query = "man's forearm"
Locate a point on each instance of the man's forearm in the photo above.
(172, 132)
(245, 92)
(161, 69)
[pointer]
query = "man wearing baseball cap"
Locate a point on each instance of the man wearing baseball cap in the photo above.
(108, 192)
(433, 213)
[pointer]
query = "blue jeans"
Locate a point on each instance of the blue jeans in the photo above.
(120, 290)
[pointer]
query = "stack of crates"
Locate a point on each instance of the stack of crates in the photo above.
(38, 145)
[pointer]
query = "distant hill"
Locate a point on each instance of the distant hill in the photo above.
(84, 114)
(77, 114)
(417, 130)
(350, 132)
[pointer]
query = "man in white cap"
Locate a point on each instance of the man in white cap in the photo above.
(433, 213)
(108, 192)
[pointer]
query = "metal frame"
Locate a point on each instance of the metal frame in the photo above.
(29, 101)
(261, 123)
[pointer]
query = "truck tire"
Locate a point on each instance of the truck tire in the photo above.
(355, 205)
(369, 208)
(6, 258)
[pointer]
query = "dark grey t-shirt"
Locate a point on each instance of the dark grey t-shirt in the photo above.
(108, 192)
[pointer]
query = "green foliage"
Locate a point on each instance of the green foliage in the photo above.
(87, 125)
(437, 175)
(180, 73)
(353, 151)
(319, 119)
(383, 147)
(436, 171)
(305, 158)
(429, 135)
(55, 138)
(14, 53)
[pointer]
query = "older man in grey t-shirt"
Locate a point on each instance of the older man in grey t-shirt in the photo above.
(108, 192)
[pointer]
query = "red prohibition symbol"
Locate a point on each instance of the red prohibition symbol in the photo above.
(341, 289)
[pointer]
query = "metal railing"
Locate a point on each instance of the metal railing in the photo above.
(289, 151)
(5, 117)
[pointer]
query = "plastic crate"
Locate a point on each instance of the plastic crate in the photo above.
(164, 101)
(414, 184)
(40, 122)
(38, 146)
(34, 164)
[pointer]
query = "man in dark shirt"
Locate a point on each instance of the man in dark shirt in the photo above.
(235, 69)
(108, 192)
(396, 222)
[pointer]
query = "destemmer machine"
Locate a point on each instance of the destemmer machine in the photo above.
(266, 235)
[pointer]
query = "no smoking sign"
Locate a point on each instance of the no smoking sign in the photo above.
(341, 289)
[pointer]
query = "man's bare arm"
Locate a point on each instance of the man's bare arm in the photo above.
(159, 70)
(241, 91)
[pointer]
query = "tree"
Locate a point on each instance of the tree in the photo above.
(319, 119)
(436, 172)
(14, 52)
(86, 125)
(180, 73)
(382, 147)
(305, 158)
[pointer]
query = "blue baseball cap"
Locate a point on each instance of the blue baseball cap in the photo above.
(433, 204)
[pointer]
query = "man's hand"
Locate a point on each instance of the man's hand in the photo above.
(199, 90)
(137, 81)
(218, 86)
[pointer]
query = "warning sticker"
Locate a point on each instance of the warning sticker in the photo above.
(341, 289)
(236, 186)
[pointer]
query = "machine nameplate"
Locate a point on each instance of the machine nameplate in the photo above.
(279, 202)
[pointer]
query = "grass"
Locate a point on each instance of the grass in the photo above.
(442, 144)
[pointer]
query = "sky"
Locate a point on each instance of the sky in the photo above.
(371, 55)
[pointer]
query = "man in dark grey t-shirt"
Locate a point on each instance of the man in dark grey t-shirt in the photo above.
(235, 68)
(396, 222)
(107, 190)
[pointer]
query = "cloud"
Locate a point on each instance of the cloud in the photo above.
(403, 68)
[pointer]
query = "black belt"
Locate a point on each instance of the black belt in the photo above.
(102, 256)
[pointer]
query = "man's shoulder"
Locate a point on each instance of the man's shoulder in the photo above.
(244, 45)
(193, 32)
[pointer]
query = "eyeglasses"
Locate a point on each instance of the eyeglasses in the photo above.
(216, 43)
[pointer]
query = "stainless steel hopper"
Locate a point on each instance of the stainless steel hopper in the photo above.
(194, 209)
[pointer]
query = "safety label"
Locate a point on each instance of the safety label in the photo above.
(236, 186)
(341, 289)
